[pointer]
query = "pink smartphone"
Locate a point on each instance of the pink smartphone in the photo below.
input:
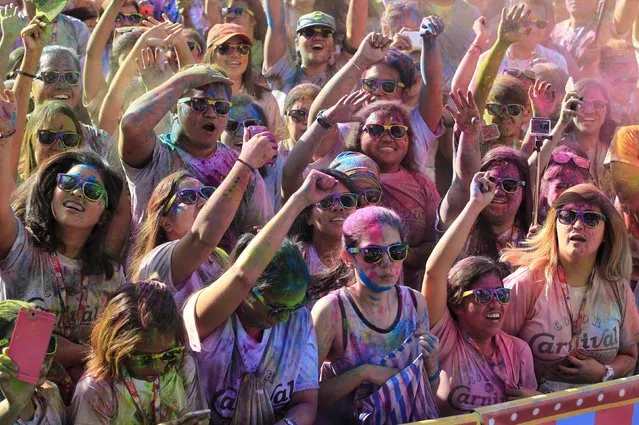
(29, 342)
(489, 133)
(257, 129)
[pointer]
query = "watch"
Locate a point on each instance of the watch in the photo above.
(609, 375)
(322, 121)
(289, 421)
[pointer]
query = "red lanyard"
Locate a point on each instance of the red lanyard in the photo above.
(495, 367)
(133, 392)
(576, 323)
(61, 291)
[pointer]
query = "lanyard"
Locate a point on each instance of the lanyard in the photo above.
(495, 367)
(133, 392)
(61, 291)
(576, 323)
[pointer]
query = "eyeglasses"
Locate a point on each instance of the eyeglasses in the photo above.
(371, 196)
(346, 200)
(236, 11)
(72, 78)
(297, 115)
(485, 295)
(588, 218)
(597, 104)
(278, 311)
(241, 49)
(373, 254)
(539, 23)
(91, 190)
(497, 109)
(387, 86)
(193, 45)
(232, 126)
(521, 73)
(145, 360)
(132, 18)
(508, 185)
(51, 348)
(68, 138)
(190, 196)
(376, 131)
(198, 104)
(566, 157)
(309, 32)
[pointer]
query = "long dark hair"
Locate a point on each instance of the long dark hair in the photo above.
(39, 219)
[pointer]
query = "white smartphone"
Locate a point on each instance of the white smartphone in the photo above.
(415, 38)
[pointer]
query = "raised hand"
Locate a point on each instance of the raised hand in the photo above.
(33, 36)
(431, 27)
(401, 41)
(160, 34)
(16, 392)
(153, 67)
(373, 49)
(258, 150)
(543, 98)
(465, 113)
(8, 115)
(316, 187)
(12, 21)
(569, 108)
(509, 30)
(480, 27)
(346, 108)
(482, 190)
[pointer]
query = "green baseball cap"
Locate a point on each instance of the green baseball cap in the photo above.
(316, 19)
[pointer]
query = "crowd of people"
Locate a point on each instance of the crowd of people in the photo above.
(316, 212)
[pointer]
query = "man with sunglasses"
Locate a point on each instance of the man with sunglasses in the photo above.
(202, 95)
(316, 57)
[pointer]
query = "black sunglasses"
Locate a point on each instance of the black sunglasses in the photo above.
(72, 78)
(241, 49)
(48, 137)
(232, 126)
(376, 131)
(387, 86)
(198, 104)
(297, 115)
(133, 18)
(309, 32)
(346, 200)
(374, 254)
(588, 218)
(508, 185)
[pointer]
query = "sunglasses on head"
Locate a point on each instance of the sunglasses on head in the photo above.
(521, 73)
(566, 157)
(309, 32)
(485, 295)
(497, 109)
(597, 104)
(387, 86)
(376, 131)
(72, 78)
(588, 218)
(51, 348)
(297, 115)
(226, 49)
(190, 196)
(198, 104)
(273, 311)
(232, 126)
(346, 200)
(133, 18)
(373, 254)
(508, 185)
(145, 360)
(91, 190)
(68, 138)
(236, 11)
(371, 196)
(539, 23)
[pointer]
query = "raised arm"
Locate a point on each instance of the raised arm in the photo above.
(356, 19)
(217, 214)
(174, 37)
(8, 225)
(137, 138)
(218, 301)
(430, 104)
(466, 69)
(260, 18)
(509, 32)
(92, 78)
(626, 13)
(274, 45)
(212, 11)
(371, 50)
(314, 143)
(11, 23)
(441, 260)
(467, 159)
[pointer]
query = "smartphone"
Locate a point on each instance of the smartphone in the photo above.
(540, 126)
(415, 38)
(197, 415)
(257, 129)
(29, 342)
(489, 133)
(570, 85)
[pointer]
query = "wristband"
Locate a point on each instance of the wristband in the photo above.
(357, 66)
(322, 121)
(348, 48)
(26, 74)
(246, 164)
(435, 376)
(5, 136)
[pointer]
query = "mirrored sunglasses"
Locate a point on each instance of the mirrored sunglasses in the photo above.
(226, 49)
(91, 190)
(387, 86)
(198, 104)
(371, 196)
(485, 295)
(309, 32)
(376, 131)
(190, 196)
(373, 254)
(297, 115)
(588, 218)
(346, 200)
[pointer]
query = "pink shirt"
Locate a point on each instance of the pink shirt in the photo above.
(539, 314)
(469, 379)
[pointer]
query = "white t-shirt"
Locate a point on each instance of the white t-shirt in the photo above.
(49, 407)
(540, 51)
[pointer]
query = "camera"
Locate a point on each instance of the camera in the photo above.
(540, 127)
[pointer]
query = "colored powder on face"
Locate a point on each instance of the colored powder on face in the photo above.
(372, 286)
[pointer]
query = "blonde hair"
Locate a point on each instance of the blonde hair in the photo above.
(541, 252)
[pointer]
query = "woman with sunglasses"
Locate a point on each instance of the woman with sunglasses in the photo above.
(229, 49)
(296, 106)
(137, 370)
(372, 332)
(252, 321)
(571, 301)
(387, 138)
(467, 302)
(185, 222)
(251, 16)
(23, 403)
(365, 174)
